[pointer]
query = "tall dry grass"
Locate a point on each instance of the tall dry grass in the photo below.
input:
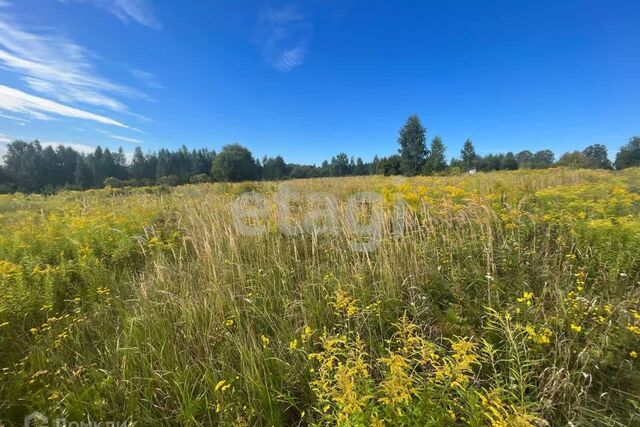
(505, 299)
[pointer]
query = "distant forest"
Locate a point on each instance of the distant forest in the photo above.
(29, 168)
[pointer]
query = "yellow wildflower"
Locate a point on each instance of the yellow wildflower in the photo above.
(633, 329)
(222, 385)
(345, 304)
(265, 341)
(219, 384)
(306, 334)
(527, 298)
(397, 386)
(541, 337)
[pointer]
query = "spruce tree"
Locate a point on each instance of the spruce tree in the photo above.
(413, 150)
(469, 156)
(437, 161)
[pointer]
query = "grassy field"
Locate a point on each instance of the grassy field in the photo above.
(503, 299)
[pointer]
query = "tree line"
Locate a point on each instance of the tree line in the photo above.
(29, 167)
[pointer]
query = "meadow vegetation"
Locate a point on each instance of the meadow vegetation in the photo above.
(508, 299)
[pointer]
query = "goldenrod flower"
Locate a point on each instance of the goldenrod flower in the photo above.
(265, 341)
(306, 334)
(527, 298)
(221, 385)
(633, 329)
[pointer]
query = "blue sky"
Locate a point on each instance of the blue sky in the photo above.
(310, 79)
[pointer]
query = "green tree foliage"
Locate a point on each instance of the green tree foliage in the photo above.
(303, 171)
(168, 181)
(597, 157)
(340, 165)
(436, 162)
(31, 167)
(199, 161)
(524, 159)
(201, 178)
(234, 163)
(113, 182)
(509, 162)
(6, 183)
(542, 159)
(361, 168)
(274, 168)
(138, 163)
(468, 155)
(103, 164)
(388, 166)
(574, 160)
(413, 149)
(629, 155)
(490, 162)
(83, 176)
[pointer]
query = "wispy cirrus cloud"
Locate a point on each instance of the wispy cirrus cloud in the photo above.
(61, 71)
(57, 67)
(146, 78)
(284, 37)
(17, 101)
(14, 118)
(126, 139)
(140, 11)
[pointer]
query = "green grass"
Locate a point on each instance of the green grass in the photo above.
(156, 299)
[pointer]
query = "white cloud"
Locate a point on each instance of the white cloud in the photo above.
(291, 58)
(284, 37)
(283, 16)
(60, 69)
(57, 67)
(16, 101)
(120, 138)
(126, 139)
(147, 78)
(71, 94)
(19, 120)
(139, 11)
